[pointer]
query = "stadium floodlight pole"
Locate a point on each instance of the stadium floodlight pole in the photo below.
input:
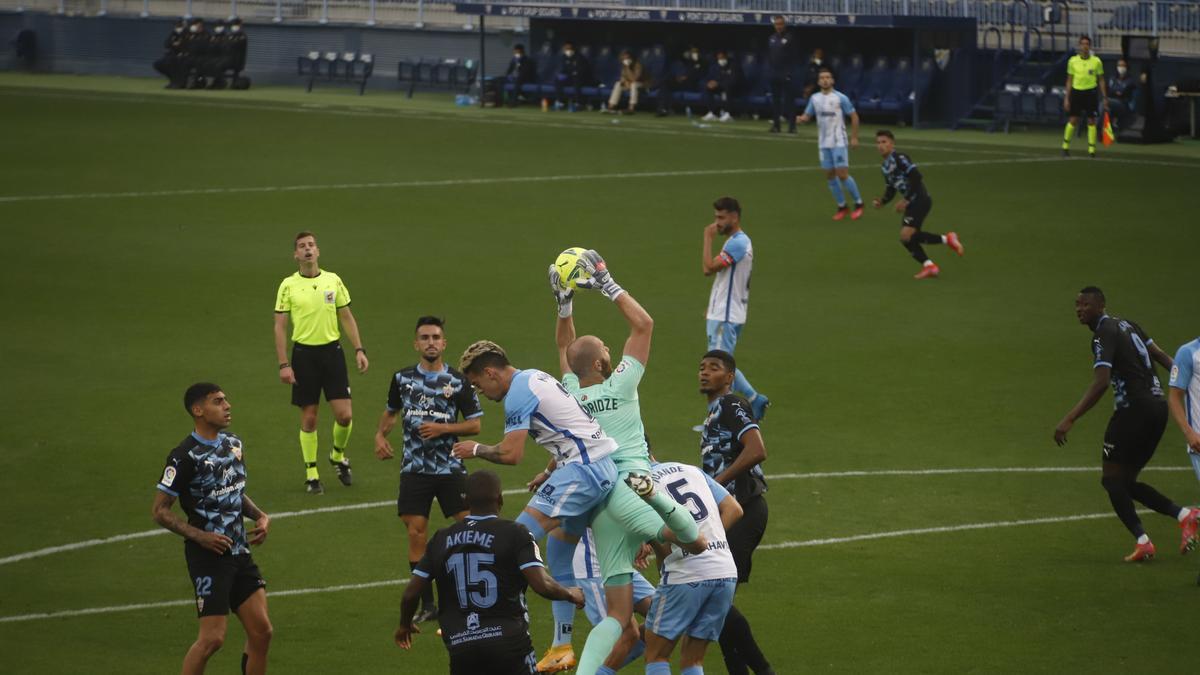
(145, 8)
(371, 14)
(232, 8)
(103, 8)
(187, 12)
(278, 11)
(324, 12)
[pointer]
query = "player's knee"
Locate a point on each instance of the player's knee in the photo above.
(261, 635)
(343, 418)
(210, 643)
(905, 238)
(1111, 483)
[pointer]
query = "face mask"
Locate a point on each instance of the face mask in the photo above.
(628, 62)
(817, 61)
(195, 29)
(723, 62)
(178, 29)
(1122, 70)
(695, 56)
(517, 56)
(219, 29)
(235, 28)
(569, 53)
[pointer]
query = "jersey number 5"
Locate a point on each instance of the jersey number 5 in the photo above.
(697, 507)
(468, 573)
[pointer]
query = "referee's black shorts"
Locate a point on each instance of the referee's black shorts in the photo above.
(746, 534)
(1133, 433)
(417, 491)
(508, 656)
(317, 368)
(916, 211)
(221, 582)
(1085, 102)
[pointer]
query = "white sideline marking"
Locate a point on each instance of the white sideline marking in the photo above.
(473, 181)
(88, 543)
(397, 582)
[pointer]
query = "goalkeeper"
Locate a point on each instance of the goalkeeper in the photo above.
(610, 394)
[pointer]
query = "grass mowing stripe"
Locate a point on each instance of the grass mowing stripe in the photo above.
(763, 547)
(454, 182)
(40, 553)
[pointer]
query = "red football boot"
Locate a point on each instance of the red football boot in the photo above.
(841, 213)
(1189, 526)
(1141, 553)
(953, 242)
(928, 272)
(857, 212)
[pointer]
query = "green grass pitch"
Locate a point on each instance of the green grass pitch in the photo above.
(145, 233)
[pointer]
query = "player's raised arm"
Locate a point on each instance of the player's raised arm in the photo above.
(708, 264)
(564, 329)
(641, 328)
(510, 450)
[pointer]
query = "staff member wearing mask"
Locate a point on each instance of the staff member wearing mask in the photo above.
(631, 81)
(521, 71)
(685, 76)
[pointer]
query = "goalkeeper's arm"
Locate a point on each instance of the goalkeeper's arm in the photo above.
(641, 327)
(564, 335)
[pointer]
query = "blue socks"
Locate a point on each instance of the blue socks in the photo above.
(836, 188)
(742, 386)
(559, 558)
(532, 525)
(852, 187)
(605, 670)
(694, 670)
(658, 668)
(639, 648)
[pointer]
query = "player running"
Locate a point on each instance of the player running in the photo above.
(1124, 356)
(585, 477)
(901, 175)
(611, 396)
(482, 566)
(206, 474)
(696, 592)
(830, 108)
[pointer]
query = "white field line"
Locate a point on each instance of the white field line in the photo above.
(453, 182)
(89, 543)
(396, 582)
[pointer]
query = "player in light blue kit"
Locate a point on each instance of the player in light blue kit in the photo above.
(1183, 398)
(729, 300)
(830, 108)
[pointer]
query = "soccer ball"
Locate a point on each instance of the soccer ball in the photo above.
(569, 266)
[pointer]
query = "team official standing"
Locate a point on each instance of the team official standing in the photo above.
(482, 566)
(731, 446)
(902, 177)
(430, 396)
(1085, 75)
(316, 300)
(1124, 356)
(206, 473)
(729, 299)
(781, 59)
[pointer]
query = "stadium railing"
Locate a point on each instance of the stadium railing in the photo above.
(1051, 25)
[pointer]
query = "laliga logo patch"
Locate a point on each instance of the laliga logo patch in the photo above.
(621, 367)
(168, 476)
(1174, 373)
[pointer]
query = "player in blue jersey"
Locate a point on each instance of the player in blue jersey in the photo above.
(830, 108)
(1183, 398)
(430, 396)
(729, 299)
(206, 474)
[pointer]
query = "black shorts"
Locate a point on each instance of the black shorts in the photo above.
(510, 656)
(417, 491)
(1133, 434)
(746, 534)
(221, 582)
(1084, 102)
(320, 367)
(916, 211)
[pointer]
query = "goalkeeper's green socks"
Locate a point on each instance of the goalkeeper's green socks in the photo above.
(599, 645)
(677, 517)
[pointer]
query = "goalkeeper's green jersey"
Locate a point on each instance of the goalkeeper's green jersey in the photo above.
(614, 404)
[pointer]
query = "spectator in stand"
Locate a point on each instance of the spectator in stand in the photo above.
(574, 72)
(172, 60)
(722, 82)
(1122, 92)
(781, 57)
(684, 76)
(632, 80)
(521, 71)
(813, 71)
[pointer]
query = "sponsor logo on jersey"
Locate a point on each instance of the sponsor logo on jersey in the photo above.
(329, 297)
(448, 390)
(473, 621)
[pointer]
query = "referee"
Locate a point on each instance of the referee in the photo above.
(316, 300)
(431, 396)
(1085, 72)
(732, 449)
(1124, 356)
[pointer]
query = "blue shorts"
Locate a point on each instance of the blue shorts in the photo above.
(1195, 463)
(723, 334)
(835, 158)
(697, 609)
(593, 594)
(573, 490)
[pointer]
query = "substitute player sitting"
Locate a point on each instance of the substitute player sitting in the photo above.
(830, 108)
(431, 396)
(901, 176)
(696, 592)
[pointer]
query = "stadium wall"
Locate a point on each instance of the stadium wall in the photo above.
(127, 46)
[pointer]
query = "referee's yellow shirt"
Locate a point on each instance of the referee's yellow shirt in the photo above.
(313, 303)
(1085, 72)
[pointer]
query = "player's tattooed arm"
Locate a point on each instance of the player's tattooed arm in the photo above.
(167, 519)
(262, 521)
(508, 451)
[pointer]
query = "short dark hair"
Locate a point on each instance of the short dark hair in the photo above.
(302, 234)
(728, 204)
(778, 17)
(431, 321)
(824, 69)
(723, 356)
(568, 43)
(482, 354)
(197, 393)
(885, 132)
(1093, 290)
(519, 47)
(1085, 37)
(483, 490)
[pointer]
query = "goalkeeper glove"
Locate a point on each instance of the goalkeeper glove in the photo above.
(563, 296)
(598, 276)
